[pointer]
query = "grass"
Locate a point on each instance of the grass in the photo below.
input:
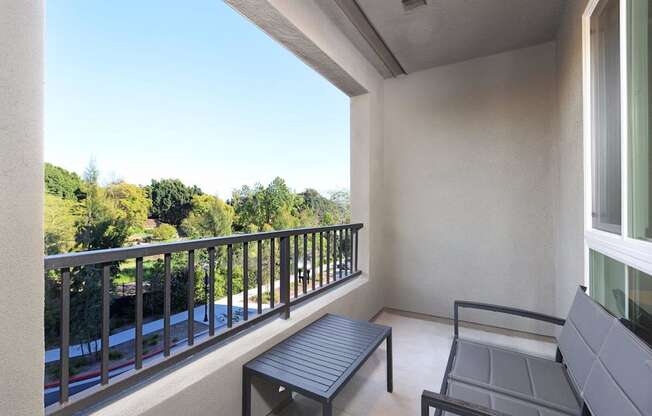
(128, 271)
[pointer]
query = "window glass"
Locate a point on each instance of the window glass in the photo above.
(605, 78)
(640, 304)
(640, 168)
(624, 291)
(608, 283)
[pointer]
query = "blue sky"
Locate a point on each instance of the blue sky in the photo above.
(189, 90)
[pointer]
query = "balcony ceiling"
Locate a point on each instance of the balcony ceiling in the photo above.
(442, 31)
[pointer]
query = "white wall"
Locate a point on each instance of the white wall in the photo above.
(569, 229)
(469, 191)
(21, 208)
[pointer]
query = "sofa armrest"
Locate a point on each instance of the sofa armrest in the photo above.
(459, 407)
(502, 309)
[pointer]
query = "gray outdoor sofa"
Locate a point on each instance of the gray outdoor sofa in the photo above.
(601, 369)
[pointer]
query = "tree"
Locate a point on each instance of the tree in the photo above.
(60, 224)
(61, 182)
(101, 224)
(274, 205)
(132, 201)
(164, 232)
(208, 217)
(171, 200)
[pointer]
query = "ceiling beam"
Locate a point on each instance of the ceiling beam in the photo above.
(358, 18)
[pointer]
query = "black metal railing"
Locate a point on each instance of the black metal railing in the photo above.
(331, 258)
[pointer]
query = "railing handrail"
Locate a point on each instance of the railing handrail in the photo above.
(92, 257)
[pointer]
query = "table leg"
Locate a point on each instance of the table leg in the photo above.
(327, 409)
(246, 393)
(390, 376)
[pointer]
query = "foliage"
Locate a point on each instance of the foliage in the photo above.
(132, 201)
(80, 214)
(328, 211)
(208, 217)
(59, 227)
(62, 183)
(164, 232)
(171, 200)
(274, 205)
(101, 224)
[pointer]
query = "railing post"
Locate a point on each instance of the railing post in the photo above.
(106, 320)
(245, 280)
(285, 276)
(138, 360)
(357, 237)
(64, 333)
(191, 297)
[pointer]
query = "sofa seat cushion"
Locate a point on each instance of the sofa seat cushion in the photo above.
(515, 374)
(497, 401)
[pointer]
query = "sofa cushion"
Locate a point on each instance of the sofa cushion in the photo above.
(514, 374)
(582, 336)
(497, 401)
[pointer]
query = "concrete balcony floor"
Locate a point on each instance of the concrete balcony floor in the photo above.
(421, 346)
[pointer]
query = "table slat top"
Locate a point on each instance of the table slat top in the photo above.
(321, 357)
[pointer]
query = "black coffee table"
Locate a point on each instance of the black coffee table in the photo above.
(319, 360)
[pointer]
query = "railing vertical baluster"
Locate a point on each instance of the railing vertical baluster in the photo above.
(229, 286)
(259, 275)
(191, 297)
(335, 255)
(313, 265)
(211, 291)
(272, 266)
(341, 251)
(106, 317)
(64, 333)
(328, 257)
(296, 265)
(321, 259)
(245, 280)
(284, 243)
(305, 264)
(357, 237)
(167, 304)
(349, 249)
(139, 313)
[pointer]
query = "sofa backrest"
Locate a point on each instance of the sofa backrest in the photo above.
(610, 366)
(582, 336)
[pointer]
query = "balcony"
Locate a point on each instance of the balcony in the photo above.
(472, 177)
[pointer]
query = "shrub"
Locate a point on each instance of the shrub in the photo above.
(164, 232)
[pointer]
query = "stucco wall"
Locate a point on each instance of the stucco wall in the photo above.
(469, 191)
(21, 207)
(569, 230)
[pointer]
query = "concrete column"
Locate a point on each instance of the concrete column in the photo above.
(21, 207)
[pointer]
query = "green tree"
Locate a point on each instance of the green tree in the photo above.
(132, 201)
(60, 224)
(101, 223)
(208, 217)
(61, 182)
(274, 205)
(171, 200)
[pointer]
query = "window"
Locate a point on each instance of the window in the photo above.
(623, 291)
(617, 38)
(605, 76)
(640, 65)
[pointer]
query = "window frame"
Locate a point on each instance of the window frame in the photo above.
(622, 247)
